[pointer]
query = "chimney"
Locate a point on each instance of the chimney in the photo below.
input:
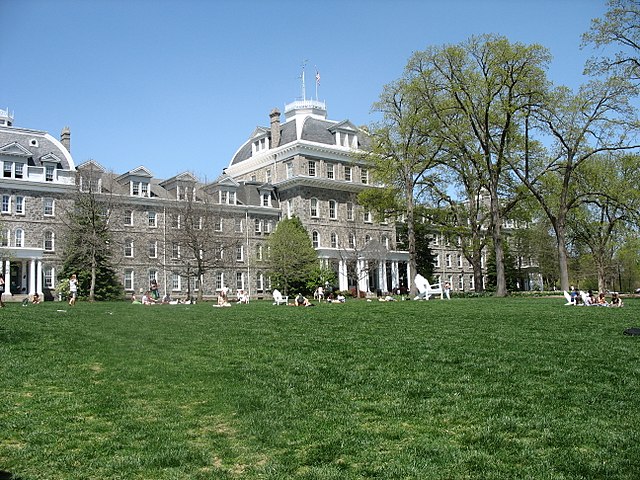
(65, 138)
(275, 127)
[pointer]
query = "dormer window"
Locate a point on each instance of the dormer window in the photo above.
(347, 139)
(48, 172)
(266, 200)
(139, 189)
(19, 168)
(7, 170)
(260, 145)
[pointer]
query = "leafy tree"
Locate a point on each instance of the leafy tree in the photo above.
(88, 240)
(321, 276)
(597, 119)
(292, 257)
(477, 93)
(620, 27)
(401, 155)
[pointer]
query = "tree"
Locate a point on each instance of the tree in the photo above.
(88, 239)
(602, 222)
(620, 27)
(292, 257)
(193, 239)
(402, 153)
(599, 118)
(478, 93)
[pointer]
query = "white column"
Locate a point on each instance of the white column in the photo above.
(343, 281)
(32, 276)
(383, 276)
(39, 278)
(7, 278)
(409, 274)
(394, 275)
(363, 276)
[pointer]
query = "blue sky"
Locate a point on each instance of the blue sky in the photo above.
(179, 85)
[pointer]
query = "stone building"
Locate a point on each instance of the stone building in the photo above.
(191, 236)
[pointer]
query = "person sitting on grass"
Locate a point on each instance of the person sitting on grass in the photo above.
(301, 301)
(147, 299)
(134, 300)
(602, 301)
(35, 299)
(616, 301)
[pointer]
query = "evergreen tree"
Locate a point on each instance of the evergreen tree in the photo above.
(292, 258)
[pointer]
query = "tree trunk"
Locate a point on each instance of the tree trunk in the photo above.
(411, 238)
(563, 256)
(501, 283)
(92, 289)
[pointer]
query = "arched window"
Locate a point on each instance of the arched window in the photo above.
(334, 240)
(48, 241)
(4, 237)
(314, 207)
(19, 238)
(314, 239)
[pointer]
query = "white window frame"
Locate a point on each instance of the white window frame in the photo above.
(49, 242)
(128, 248)
(128, 218)
(153, 249)
(20, 205)
(312, 167)
(333, 210)
(315, 239)
(6, 203)
(153, 218)
(48, 204)
(19, 238)
(313, 208)
(348, 174)
(128, 280)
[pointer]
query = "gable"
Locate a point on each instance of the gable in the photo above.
(15, 149)
(343, 126)
(91, 165)
(50, 157)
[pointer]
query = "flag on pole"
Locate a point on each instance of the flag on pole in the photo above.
(317, 77)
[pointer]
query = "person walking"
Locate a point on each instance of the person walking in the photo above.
(73, 289)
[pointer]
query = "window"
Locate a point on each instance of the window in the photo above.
(347, 174)
(259, 252)
(153, 249)
(313, 211)
(384, 240)
(448, 260)
(238, 225)
(48, 207)
(364, 175)
(333, 209)
(268, 225)
(19, 238)
(128, 248)
(334, 240)
(176, 281)
(366, 216)
(259, 282)
(352, 240)
(48, 173)
(232, 198)
(48, 277)
(48, 241)
(349, 211)
(144, 189)
(224, 197)
(153, 219)
(330, 171)
(7, 169)
(436, 261)
(19, 169)
(128, 279)
(312, 168)
(258, 226)
(240, 253)
(175, 221)
(266, 200)
(367, 239)
(128, 217)
(461, 282)
(239, 280)
(314, 239)
(459, 261)
(472, 282)
(4, 237)
(267, 175)
(218, 224)
(175, 250)
(153, 276)
(19, 205)
(6, 203)
(135, 188)
(219, 280)
(289, 166)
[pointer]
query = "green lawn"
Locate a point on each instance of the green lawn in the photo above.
(466, 389)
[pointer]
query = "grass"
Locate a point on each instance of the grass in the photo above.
(466, 389)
